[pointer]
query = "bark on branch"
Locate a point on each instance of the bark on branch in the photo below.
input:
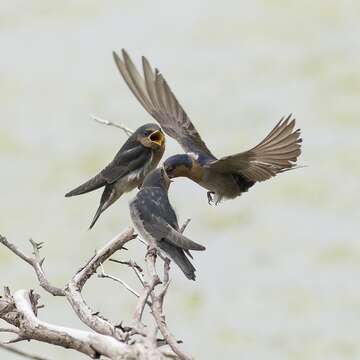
(19, 309)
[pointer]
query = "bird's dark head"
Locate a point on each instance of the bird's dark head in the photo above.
(157, 178)
(178, 165)
(150, 136)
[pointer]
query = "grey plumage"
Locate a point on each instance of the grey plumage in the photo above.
(157, 222)
(277, 153)
(137, 157)
(155, 95)
(228, 176)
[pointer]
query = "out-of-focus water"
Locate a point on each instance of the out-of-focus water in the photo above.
(279, 279)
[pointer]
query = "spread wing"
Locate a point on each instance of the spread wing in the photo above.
(125, 162)
(151, 206)
(155, 95)
(277, 153)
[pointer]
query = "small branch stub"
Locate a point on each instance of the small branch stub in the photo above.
(125, 129)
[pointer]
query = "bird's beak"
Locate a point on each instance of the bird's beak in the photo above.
(166, 175)
(157, 137)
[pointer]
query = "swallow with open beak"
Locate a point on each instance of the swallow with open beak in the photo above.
(156, 221)
(137, 157)
(227, 177)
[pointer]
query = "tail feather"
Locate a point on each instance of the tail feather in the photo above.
(99, 210)
(179, 257)
(108, 197)
(94, 183)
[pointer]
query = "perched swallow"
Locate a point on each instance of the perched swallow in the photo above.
(228, 176)
(155, 219)
(137, 157)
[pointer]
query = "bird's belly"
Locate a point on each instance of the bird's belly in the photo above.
(135, 217)
(127, 183)
(223, 185)
(133, 179)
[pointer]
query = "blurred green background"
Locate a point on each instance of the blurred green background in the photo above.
(280, 277)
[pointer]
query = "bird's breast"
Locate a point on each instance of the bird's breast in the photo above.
(157, 155)
(223, 185)
(138, 221)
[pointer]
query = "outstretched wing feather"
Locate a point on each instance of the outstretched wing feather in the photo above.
(155, 95)
(276, 153)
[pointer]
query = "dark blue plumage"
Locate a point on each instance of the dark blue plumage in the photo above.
(157, 222)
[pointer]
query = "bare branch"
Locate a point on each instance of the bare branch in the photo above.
(125, 129)
(114, 342)
(166, 280)
(15, 340)
(160, 321)
(36, 263)
(157, 306)
(148, 288)
(89, 343)
(102, 255)
(75, 285)
(15, 250)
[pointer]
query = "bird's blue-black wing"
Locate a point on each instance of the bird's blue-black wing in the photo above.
(125, 162)
(159, 218)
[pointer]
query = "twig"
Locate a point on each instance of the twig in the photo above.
(137, 269)
(21, 353)
(125, 129)
(36, 263)
(184, 226)
(143, 296)
(143, 299)
(142, 241)
(166, 280)
(157, 309)
(123, 283)
(15, 340)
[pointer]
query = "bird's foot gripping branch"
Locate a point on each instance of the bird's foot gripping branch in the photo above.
(19, 309)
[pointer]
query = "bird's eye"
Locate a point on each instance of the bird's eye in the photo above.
(146, 133)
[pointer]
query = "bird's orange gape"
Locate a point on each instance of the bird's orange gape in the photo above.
(157, 137)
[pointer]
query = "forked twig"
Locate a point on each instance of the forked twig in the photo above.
(125, 129)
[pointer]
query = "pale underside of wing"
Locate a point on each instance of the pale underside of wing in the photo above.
(155, 95)
(277, 153)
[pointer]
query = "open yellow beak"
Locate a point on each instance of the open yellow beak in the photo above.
(157, 137)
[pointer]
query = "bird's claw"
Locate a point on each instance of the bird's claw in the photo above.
(151, 250)
(210, 197)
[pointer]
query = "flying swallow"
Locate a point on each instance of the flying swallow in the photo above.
(156, 221)
(137, 157)
(228, 176)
